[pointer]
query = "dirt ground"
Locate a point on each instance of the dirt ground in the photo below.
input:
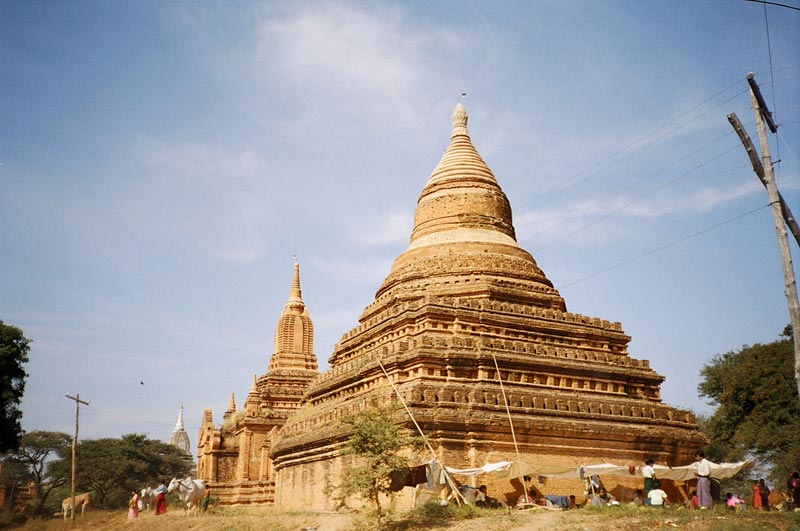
(539, 520)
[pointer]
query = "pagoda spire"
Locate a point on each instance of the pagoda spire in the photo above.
(294, 333)
(295, 294)
(459, 119)
(179, 425)
(179, 436)
(231, 407)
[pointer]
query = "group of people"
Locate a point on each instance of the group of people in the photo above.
(701, 498)
(136, 504)
(653, 495)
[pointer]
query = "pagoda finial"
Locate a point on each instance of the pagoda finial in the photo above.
(459, 119)
(295, 295)
(232, 404)
(179, 424)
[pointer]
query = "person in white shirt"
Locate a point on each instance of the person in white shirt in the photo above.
(649, 474)
(657, 497)
(703, 480)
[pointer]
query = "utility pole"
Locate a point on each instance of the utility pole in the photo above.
(790, 287)
(788, 217)
(78, 402)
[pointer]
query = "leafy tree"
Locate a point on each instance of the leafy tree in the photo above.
(758, 411)
(13, 355)
(111, 468)
(30, 463)
(375, 444)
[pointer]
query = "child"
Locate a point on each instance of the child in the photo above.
(657, 497)
(133, 506)
(733, 502)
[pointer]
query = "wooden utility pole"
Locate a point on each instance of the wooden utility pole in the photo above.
(790, 287)
(78, 402)
(788, 217)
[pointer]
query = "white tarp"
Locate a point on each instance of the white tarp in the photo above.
(512, 469)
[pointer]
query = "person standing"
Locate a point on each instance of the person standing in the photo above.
(703, 480)
(161, 498)
(205, 501)
(763, 491)
(757, 501)
(793, 488)
(133, 506)
(649, 474)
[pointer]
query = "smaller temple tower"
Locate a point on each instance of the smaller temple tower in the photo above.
(179, 436)
(180, 439)
(234, 458)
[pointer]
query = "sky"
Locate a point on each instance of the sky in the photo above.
(163, 163)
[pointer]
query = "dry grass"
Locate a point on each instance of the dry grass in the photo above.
(264, 519)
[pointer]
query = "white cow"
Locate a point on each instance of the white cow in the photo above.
(147, 498)
(81, 500)
(190, 491)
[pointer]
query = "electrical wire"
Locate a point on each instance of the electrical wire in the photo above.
(636, 200)
(632, 185)
(574, 181)
(661, 248)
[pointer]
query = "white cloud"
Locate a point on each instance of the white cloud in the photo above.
(543, 227)
(368, 64)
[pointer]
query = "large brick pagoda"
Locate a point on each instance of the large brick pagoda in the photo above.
(462, 299)
(461, 296)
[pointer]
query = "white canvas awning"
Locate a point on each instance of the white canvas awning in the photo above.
(513, 469)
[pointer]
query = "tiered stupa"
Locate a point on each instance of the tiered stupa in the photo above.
(234, 458)
(461, 296)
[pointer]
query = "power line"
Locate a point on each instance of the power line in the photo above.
(570, 183)
(633, 201)
(653, 251)
(776, 4)
(636, 183)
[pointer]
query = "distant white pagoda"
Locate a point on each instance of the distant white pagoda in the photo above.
(179, 436)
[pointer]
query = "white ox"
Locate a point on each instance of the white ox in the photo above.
(190, 491)
(147, 498)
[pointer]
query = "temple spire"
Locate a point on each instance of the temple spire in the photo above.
(179, 436)
(459, 119)
(294, 333)
(295, 295)
(179, 425)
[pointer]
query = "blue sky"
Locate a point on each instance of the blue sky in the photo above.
(162, 163)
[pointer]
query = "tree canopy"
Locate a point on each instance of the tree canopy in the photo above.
(111, 468)
(29, 463)
(757, 407)
(14, 347)
(375, 444)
